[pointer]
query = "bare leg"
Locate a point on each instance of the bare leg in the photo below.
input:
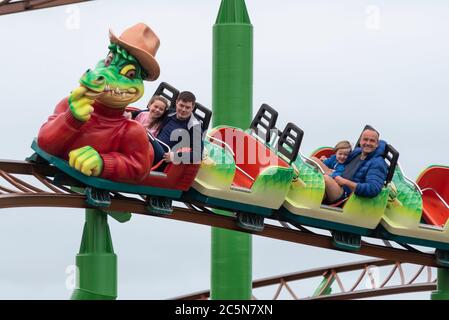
(333, 190)
(322, 165)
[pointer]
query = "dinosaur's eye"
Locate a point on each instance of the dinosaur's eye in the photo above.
(108, 59)
(129, 71)
(131, 74)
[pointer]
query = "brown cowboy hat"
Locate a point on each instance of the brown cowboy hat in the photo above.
(141, 42)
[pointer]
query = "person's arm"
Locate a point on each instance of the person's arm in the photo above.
(327, 164)
(133, 162)
(374, 180)
(59, 130)
(194, 156)
(338, 171)
(135, 113)
(194, 141)
(345, 182)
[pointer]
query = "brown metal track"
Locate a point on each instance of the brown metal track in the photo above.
(297, 276)
(24, 167)
(189, 215)
(9, 7)
(369, 293)
(317, 272)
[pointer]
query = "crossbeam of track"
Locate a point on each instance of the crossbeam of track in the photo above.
(11, 6)
(31, 196)
(408, 284)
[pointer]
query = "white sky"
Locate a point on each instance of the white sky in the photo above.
(329, 66)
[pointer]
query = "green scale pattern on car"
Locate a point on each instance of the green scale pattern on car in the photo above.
(307, 187)
(218, 166)
(406, 208)
(308, 190)
(363, 207)
(218, 169)
(274, 179)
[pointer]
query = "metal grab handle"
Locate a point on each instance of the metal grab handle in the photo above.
(312, 162)
(244, 172)
(233, 154)
(409, 180)
(224, 143)
(438, 195)
(151, 137)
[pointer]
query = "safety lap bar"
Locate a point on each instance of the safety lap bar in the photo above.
(233, 154)
(438, 195)
(409, 180)
(312, 162)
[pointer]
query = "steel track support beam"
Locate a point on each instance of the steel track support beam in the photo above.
(96, 261)
(442, 292)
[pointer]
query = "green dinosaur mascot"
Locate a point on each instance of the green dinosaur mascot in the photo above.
(88, 128)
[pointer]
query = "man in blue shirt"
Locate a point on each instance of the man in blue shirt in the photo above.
(180, 130)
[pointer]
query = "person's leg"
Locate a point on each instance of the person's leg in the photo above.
(322, 165)
(333, 190)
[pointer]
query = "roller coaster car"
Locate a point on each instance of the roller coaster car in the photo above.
(242, 173)
(419, 214)
(355, 217)
(161, 185)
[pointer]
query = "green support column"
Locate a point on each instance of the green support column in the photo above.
(232, 73)
(325, 286)
(442, 292)
(96, 261)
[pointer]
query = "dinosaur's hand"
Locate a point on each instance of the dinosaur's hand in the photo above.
(87, 160)
(80, 104)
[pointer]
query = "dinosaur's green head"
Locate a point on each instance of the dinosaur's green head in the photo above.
(117, 80)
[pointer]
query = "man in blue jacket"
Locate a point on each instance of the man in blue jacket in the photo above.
(365, 170)
(180, 129)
